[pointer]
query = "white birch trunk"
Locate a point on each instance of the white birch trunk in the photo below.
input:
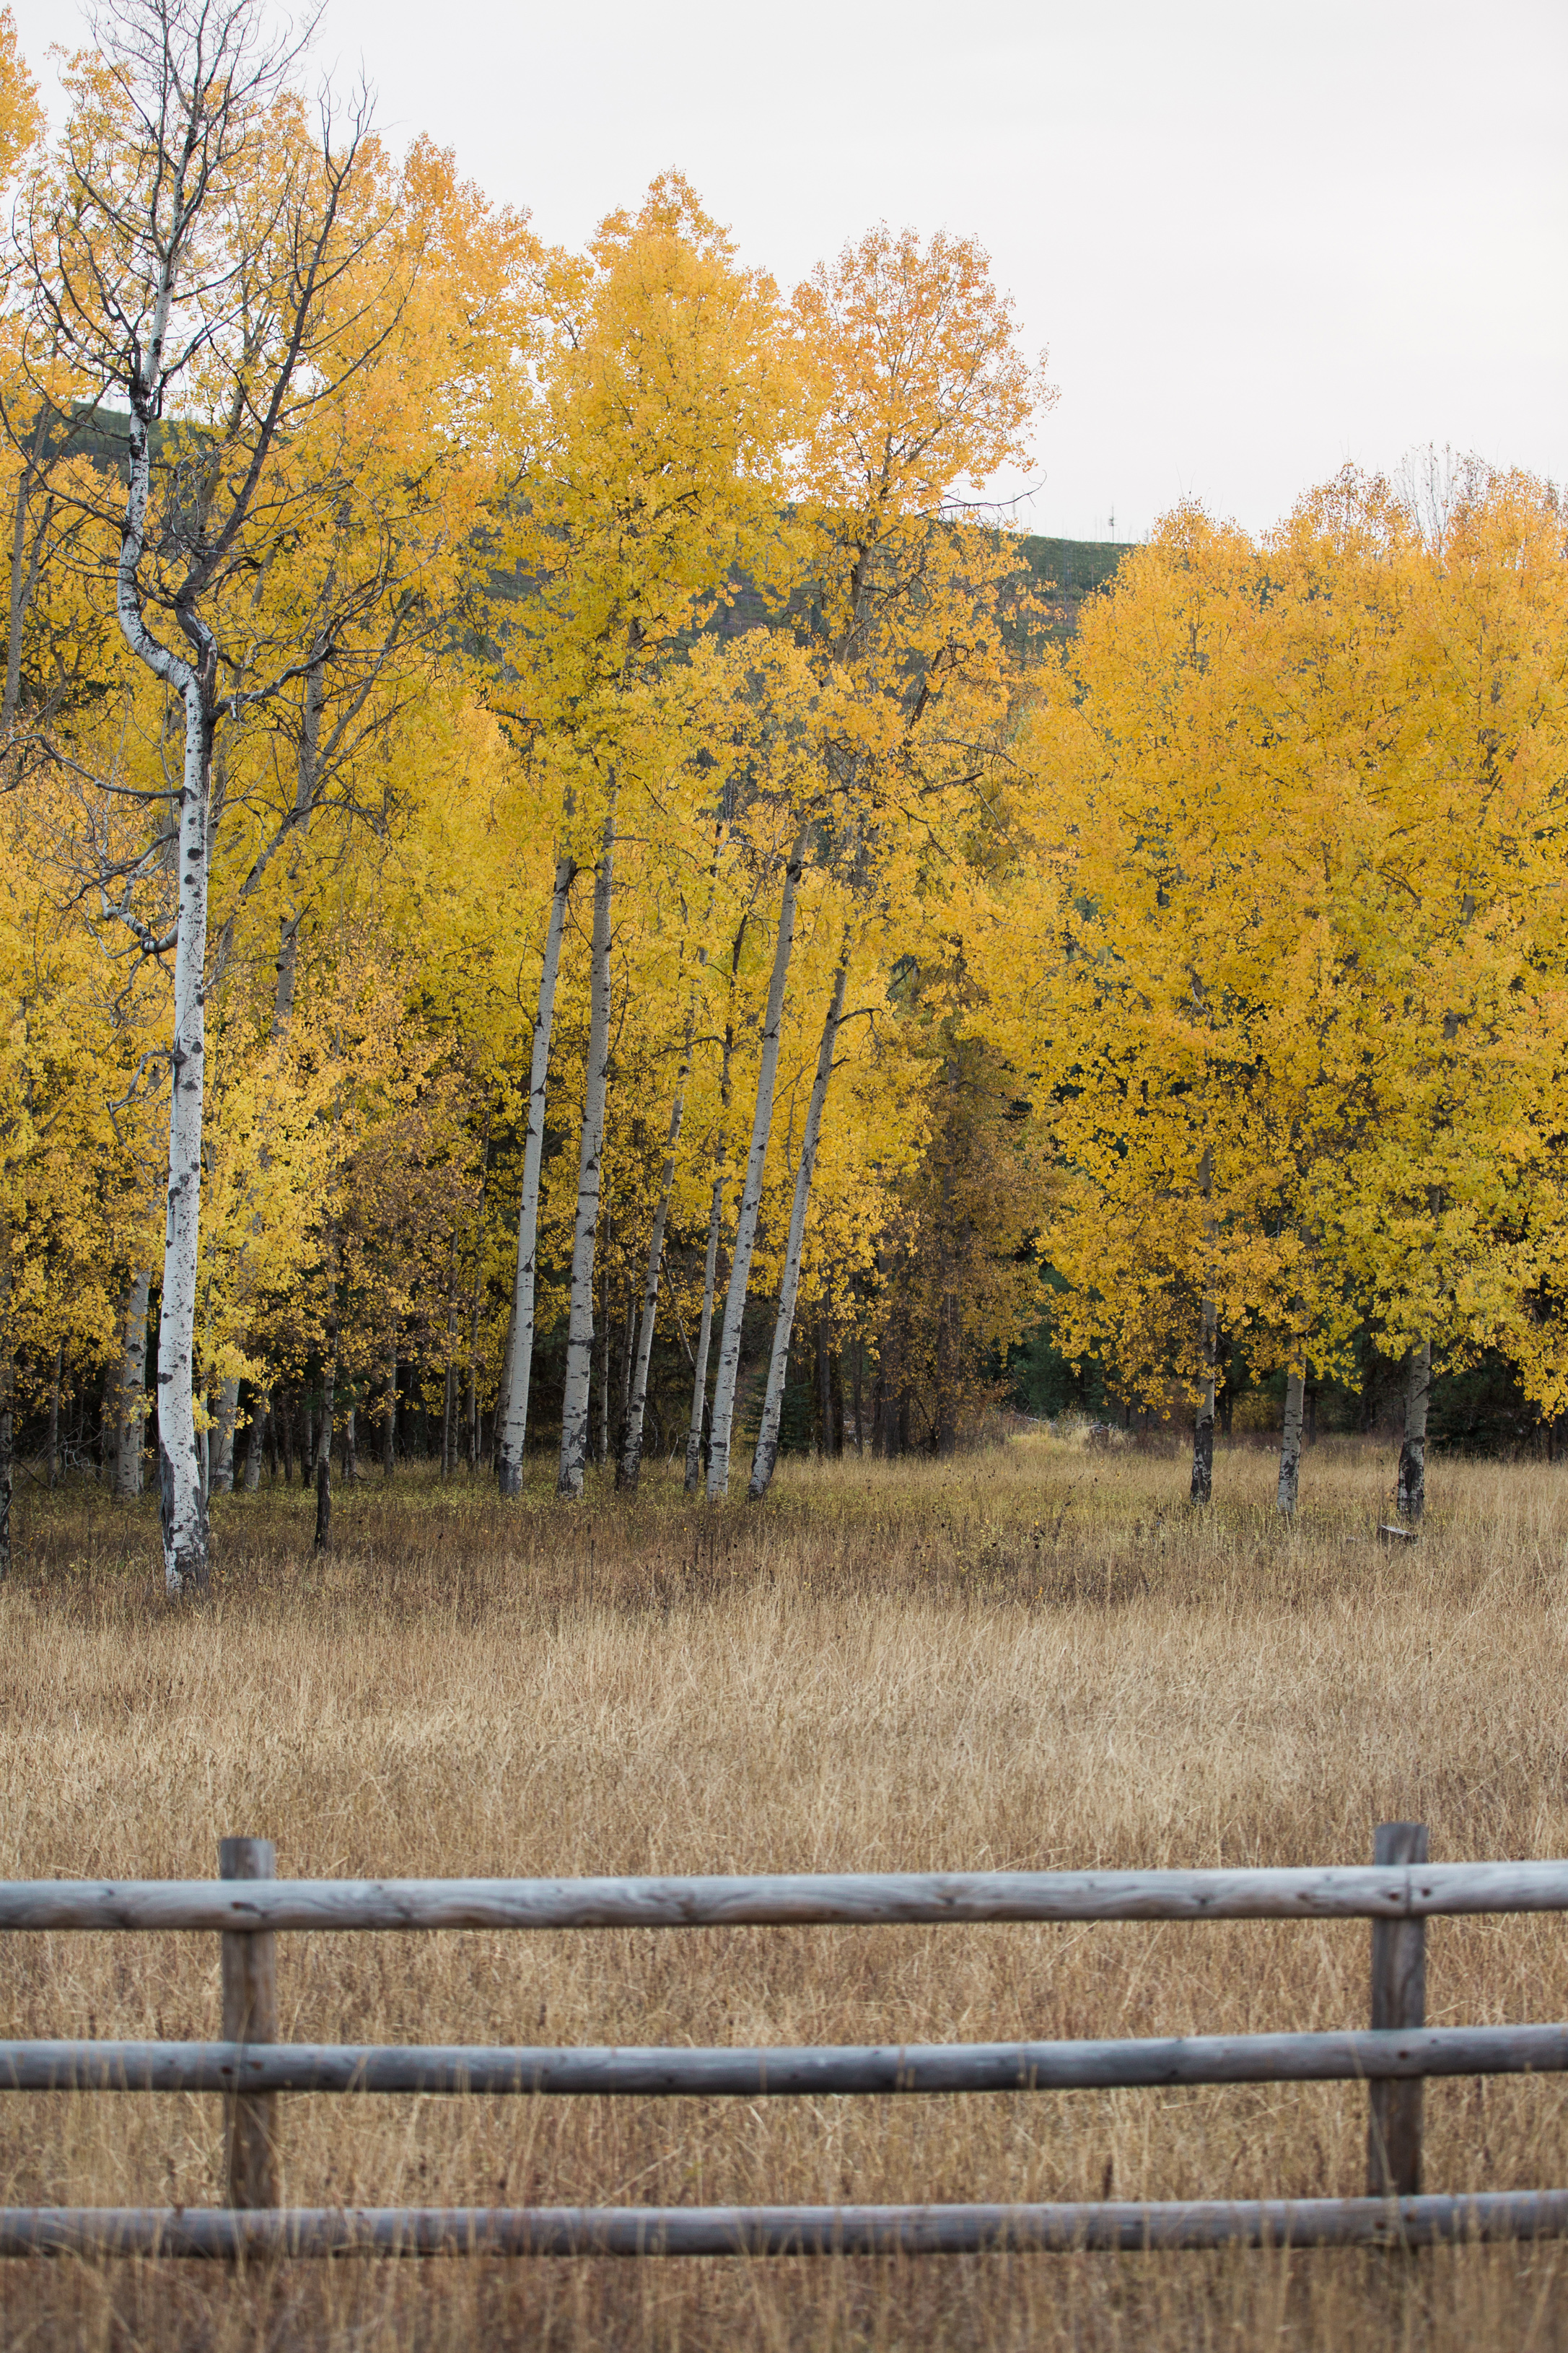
(631, 1444)
(183, 1503)
(1291, 1442)
(574, 1415)
(511, 1413)
(711, 1262)
(752, 1192)
(1412, 1490)
(705, 1332)
(767, 1450)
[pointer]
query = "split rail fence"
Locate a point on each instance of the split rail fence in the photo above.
(247, 1907)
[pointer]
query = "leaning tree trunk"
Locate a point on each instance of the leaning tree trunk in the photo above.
(767, 1451)
(1291, 1441)
(1412, 1493)
(511, 1415)
(729, 1371)
(580, 1316)
(630, 1464)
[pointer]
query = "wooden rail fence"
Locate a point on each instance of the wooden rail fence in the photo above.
(248, 1906)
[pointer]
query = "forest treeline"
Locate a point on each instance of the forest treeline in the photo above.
(564, 890)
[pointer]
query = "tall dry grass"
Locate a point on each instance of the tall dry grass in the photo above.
(1035, 1657)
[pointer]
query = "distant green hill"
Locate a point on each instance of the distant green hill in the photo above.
(1072, 569)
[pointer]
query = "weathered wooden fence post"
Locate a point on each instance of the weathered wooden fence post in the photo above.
(1398, 2002)
(250, 2015)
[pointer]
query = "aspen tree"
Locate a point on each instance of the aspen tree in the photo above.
(767, 1448)
(658, 480)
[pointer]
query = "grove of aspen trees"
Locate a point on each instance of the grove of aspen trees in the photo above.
(570, 903)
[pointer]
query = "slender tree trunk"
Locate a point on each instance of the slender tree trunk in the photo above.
(324, 1432)
(55, 1419)
(631, 1443)
(255, 1441)
(727, 1375)
(512, 1423)
(223, 1452)
(1412, 1492)
(860, 1354)
(580, 1319)
(7, 1384)
(389, 1417)
(1203, 1426)
(704, 1335)
(601, 1446)
(351, 1448)
(1291, 1442)
(307, 1447)
(767, 1448)
(183, 1499)
(824, 1391)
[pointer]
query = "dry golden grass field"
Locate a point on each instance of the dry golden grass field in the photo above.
(1032, 1657)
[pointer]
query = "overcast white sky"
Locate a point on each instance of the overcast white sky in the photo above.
(1258, 238)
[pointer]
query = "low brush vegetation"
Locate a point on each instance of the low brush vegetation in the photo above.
(1032, 1656)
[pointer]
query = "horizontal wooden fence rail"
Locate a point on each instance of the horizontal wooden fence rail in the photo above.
(250, 2068)
(815, 2072)
(864, 1899)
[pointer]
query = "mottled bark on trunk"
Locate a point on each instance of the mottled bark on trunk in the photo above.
(351, 1448)
(256, 1440)
(55, 1418)
(512, 1414)
(223, 1439)
(767, 1447)
(183, 1499)
(574, 1416)
(1412, 1490)
(630, 1464)
(860, 1354)
(727, 1379)
(1291, 1442)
